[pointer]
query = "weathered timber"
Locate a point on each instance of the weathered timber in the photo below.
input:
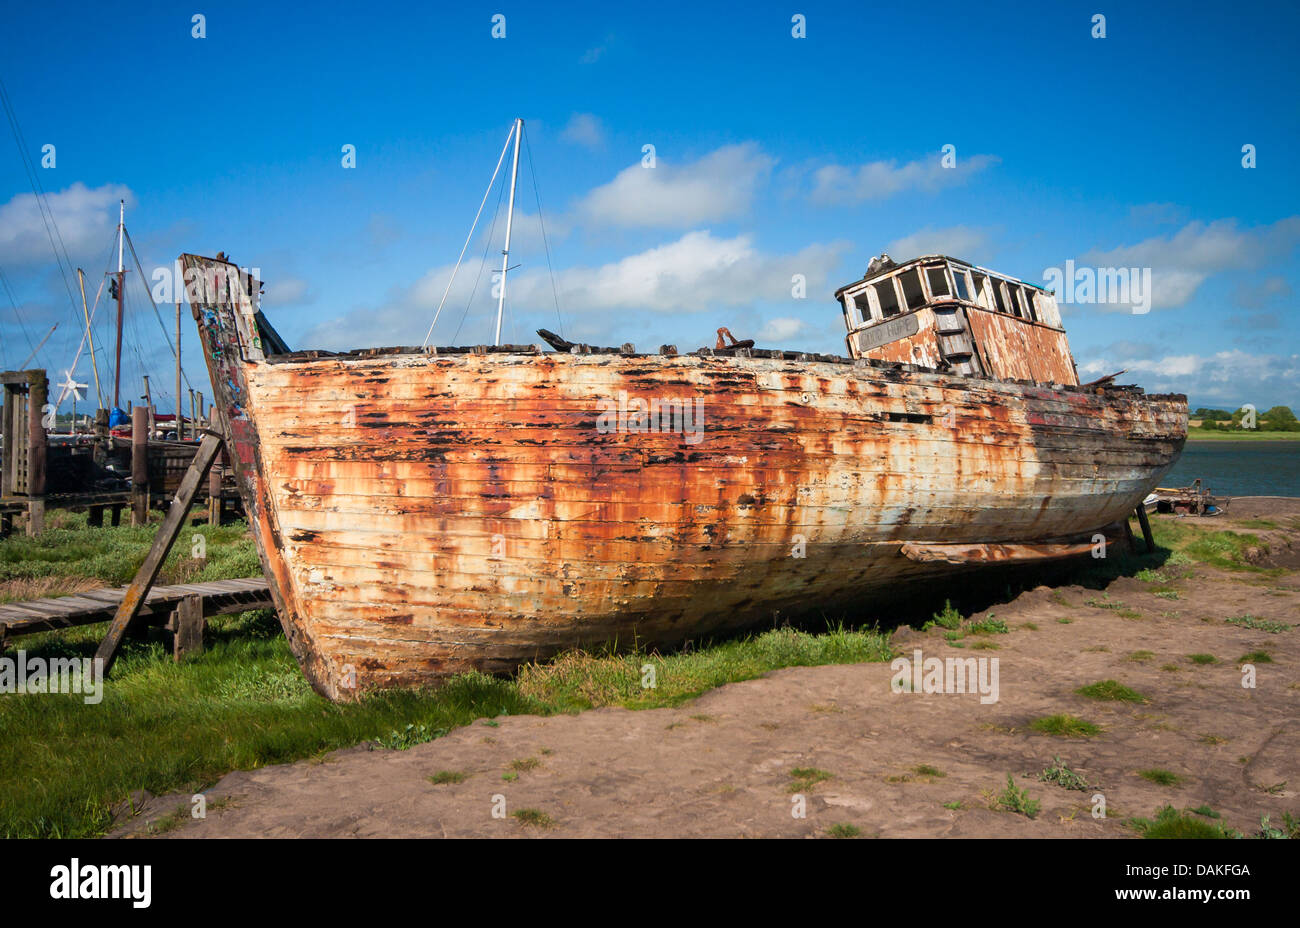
(421, 513)
(52, 613)
(140, 465)
(993, 554)
(1146, 527)
(148, 572)
(187, 627)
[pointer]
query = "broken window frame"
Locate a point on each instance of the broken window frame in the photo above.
(961, 281)
(942, 271)
(920, 294)
(890, 282)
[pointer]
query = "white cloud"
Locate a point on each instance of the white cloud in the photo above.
(1223, 378)
(835, 184)
(964, 242)
(584, 129)
(1182, 262)
(697, 273)
(287, 291)
(781, 329)
(85, 218)
(721, 185)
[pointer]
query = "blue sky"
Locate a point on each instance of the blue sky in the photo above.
(775, 156)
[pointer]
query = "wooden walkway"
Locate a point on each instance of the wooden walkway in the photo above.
(220, 597)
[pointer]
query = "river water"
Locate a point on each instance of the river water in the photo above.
(1239, 468)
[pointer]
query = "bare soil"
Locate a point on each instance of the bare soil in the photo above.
(721, 766)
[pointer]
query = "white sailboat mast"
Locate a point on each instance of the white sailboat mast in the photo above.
(510, 215)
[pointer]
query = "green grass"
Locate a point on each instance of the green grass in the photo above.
(534, 817)
(1258, 624)
(1110, 690)
(1202, 658)
(1256, 657)
(1170, 823)
(1063, 776)
(805, 778)
(948, 617)
(243, 703)
(443, 777)
(1197, 434)
(112, 555)
(1140, 657)
(1015, 799)
(988, 626)
(1160, 776)
(1065, 726)
(843, 830)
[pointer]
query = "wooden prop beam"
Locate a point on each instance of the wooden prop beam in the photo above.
(162, 545)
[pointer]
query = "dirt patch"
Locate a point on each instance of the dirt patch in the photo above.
(743, 759)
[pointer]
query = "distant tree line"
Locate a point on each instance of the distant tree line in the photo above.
(1277, 419)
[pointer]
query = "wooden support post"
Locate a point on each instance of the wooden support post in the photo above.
(38, 391)
(117, 515)
(1146, 528)
(187, 627)
(139, 465)
(95, 517)
(215, 507)
(162, 544)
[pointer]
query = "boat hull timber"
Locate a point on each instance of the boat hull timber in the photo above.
(424, 513)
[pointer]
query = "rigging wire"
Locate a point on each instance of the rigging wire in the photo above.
(486, 194)
(63, 260)
(487, 244)
(555, 295)
(167, 336)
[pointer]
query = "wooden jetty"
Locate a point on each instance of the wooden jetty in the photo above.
(179, 608)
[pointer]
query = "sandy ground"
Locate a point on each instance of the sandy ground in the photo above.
(721, 765)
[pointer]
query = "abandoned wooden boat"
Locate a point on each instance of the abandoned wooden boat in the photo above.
(420, 512)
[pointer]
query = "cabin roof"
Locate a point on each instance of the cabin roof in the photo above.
(923, 259)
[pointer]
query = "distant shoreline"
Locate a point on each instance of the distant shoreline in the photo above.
(1240, 435)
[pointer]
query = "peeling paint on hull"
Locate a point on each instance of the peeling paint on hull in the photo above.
(424, 515)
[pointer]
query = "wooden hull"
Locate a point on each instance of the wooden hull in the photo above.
(420, 515)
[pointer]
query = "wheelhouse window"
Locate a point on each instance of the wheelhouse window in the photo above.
(1000, 301)
(887, 298)
(938, 282)
(1027, 295)
(863, 306)
(981, 289)
(960, 284)
(913, 293)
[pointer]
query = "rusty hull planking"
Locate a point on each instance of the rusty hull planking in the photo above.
(420, 515)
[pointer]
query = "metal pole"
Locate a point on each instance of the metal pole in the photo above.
(510, 215)
(121, 275)
(180, 418)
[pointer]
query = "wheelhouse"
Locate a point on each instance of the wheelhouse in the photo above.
(941, 312)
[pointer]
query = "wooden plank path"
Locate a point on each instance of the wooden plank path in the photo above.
(219, 597)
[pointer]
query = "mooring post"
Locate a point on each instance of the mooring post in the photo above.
(38, 391)
(187, 627)
(139, 465)
(215, 506)
(1146, 528)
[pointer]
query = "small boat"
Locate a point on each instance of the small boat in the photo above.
(421, 512)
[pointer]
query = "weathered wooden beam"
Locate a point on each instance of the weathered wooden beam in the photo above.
(992, 553)
(214, 492)
(187, 627)
(37, 396)
(140, 465)
(162, 545)
(1146, 528)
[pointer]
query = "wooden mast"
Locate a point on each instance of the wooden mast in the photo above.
(510, 215)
